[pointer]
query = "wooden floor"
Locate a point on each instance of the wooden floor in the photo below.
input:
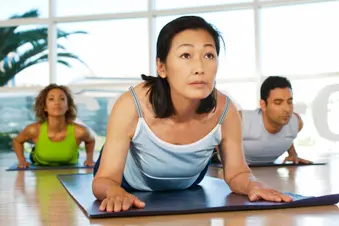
(37, 198)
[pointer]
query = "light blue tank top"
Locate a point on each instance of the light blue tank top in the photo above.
(153, 164)
(259, 145)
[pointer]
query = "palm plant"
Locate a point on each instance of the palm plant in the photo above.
(20, 49)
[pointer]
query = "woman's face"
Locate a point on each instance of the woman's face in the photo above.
(56, 103)
(191, 64)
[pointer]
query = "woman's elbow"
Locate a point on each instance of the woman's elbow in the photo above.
(97, 192)
(16, 142)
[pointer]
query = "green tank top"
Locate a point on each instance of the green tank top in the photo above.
(49, 152)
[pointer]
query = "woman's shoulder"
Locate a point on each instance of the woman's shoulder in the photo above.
(125, 106)
(225, 103)
(223, 100)
(80, 129)
(35, 126)
(141, 91)
(33, 129)
(79, 126)
(127, 96)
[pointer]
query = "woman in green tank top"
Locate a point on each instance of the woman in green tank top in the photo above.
(55, 134)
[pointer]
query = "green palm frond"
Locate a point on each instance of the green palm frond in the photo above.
(6, 32)
(31, 47)
(30, 36)
(29, 14)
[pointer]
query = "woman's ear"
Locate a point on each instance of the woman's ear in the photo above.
(161, 69)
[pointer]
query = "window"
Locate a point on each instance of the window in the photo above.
(29, 63)
(89, 7)
(16, 110)
(36, 75)
(94, 108)
(19, 7)
(115, 48)
(317, 102)
(243, 94)
(237, 29)
(300, 39)
(165, 4)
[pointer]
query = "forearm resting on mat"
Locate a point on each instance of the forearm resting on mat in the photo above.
(101, 185)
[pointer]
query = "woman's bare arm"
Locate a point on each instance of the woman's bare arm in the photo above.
(237, 174)
(121, 125)
(30, 132)
(85, 135)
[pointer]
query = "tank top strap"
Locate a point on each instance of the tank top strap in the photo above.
(225, 111)
(70, 130)
(43, 130)
(136, 101)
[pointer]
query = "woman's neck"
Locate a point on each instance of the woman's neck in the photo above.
(56, 124)
(184, 108)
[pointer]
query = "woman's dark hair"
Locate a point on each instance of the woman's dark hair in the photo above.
(160, 96)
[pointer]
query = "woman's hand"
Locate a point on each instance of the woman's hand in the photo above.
(119, 200)
(89, 162)
(23, 164)
(258, 192)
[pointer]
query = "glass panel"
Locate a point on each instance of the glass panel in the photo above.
(305, 41)
(110, 49)
(237, 29)
(16, 111)
(89, 7)
(24, 56)
(243, 94)
(317, 102)
(165, 4)
(19, 7)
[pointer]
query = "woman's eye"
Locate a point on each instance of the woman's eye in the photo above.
(209, 56)
(185, 56)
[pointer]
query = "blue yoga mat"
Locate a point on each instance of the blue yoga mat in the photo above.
(212, 195)
(277, 163)
(80, 165)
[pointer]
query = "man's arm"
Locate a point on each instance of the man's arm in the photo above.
(292, 153)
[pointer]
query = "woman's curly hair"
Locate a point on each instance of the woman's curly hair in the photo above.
(40, 103)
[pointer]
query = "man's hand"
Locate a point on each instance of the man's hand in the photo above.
(295, 159)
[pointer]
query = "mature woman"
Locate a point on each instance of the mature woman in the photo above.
(162, 133)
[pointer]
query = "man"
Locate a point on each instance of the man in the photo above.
(268, 132)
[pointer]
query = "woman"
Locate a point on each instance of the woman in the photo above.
(161, 134)
(55, 134)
